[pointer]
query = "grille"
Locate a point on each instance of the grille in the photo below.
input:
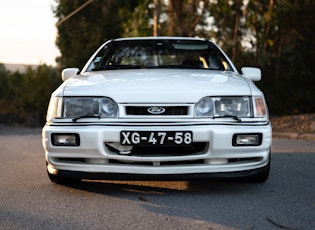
(163, 151)
(169, 110)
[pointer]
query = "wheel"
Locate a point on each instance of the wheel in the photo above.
(261, 176)
(60, 179)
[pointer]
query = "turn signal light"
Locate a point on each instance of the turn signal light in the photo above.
(260, 108)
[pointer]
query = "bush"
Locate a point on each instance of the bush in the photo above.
(24, 97)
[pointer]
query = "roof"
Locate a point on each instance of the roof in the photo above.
(160, 38)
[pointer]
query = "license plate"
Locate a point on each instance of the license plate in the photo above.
(156, 138)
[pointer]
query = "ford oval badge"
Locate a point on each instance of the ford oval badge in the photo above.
(156, 110)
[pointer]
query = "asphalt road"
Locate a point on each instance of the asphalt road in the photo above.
(28, 200)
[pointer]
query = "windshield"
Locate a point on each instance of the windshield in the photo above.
(133, 54)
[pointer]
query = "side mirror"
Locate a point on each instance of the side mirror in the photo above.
(69, 73)
(252, 73)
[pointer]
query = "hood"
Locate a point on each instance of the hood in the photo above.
(157, 85)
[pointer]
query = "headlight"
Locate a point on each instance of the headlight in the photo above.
(85, 106)
(224, 106)
(74, 107)
(108, 108)
(204, 108)
(232, 106)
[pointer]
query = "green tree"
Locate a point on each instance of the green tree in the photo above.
(184, 16)
(284, 48)
(26, 95)
(175, 18)
(33, 96)
(228, 28)
(4, 74)
(80, 35)
(137, 23)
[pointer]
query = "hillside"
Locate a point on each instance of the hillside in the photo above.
(18, 67)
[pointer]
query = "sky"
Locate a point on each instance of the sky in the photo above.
(28, 32)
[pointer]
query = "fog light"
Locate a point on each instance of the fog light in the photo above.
(65, 139)
(247, 139)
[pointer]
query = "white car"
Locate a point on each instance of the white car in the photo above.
(158, 108)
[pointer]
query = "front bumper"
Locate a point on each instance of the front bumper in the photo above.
(218, 155)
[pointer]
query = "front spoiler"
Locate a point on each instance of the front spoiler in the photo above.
(155, 177)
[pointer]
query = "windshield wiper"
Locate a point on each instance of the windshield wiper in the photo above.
(179, 67)
(173, 67)
(231, 116)
(86, 116)
(115, 67)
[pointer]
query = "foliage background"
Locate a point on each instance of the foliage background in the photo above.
(275, 35)
(24, 96)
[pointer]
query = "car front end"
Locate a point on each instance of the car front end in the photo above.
(156, 123)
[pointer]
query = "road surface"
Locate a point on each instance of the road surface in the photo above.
(28, 200)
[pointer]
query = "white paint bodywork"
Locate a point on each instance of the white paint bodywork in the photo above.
(158, 85)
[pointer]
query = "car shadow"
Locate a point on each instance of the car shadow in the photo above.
(213, 200)
(159, 188)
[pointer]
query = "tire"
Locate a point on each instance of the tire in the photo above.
(60, 179)
(261, 176)
(56, 179)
